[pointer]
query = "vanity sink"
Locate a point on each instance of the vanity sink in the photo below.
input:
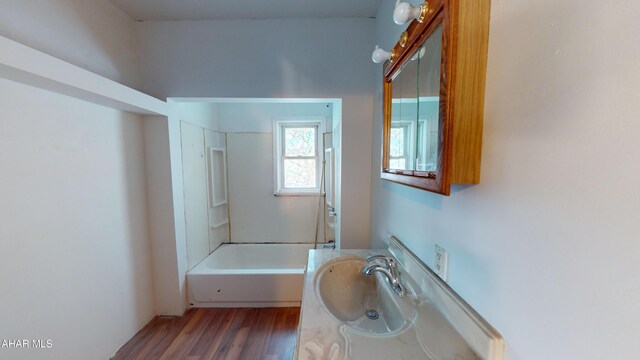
(363, 304)
(407, 312)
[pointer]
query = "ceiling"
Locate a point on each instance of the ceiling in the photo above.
(245, 9)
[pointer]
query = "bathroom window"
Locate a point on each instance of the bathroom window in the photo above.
(297, 151)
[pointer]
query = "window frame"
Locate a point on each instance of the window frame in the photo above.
(409, 129)
(279, 125)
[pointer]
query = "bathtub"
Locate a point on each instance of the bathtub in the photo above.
(249, 275)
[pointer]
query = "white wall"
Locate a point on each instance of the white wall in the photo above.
(77, 262)
(203, 219)
(169, 288)
(97, 36)
(92, 34)
(75, 265)
(302, 58)
(177, 198)
(218, 195)
(202, 114)
(206, 222)
(546, 246)
(258, 116)
(256, 214)
(166, 201)
(194, 172)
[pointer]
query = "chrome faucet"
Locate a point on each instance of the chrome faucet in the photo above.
(390, 269)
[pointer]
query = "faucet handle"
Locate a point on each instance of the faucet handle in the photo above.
(376, 257)
(380, 257)
(389, 262)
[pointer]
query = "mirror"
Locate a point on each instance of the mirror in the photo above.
(404, 112)
(430, 55)
(415, 110)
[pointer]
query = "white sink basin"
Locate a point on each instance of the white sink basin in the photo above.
(355, 299)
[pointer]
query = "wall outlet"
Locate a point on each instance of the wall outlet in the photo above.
(442, 262)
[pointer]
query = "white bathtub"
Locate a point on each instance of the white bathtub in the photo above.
(237, 275)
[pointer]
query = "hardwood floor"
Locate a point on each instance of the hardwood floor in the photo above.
(217, 334)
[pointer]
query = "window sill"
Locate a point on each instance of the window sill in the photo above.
(296, 193)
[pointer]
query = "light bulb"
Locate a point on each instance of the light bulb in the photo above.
(405, 12)
(380, 55)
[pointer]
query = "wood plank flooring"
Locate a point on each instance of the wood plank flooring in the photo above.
(217, 334)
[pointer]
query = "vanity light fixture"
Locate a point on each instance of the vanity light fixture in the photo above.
(380, 55)
(405, 12)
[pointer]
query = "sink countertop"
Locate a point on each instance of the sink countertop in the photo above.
(443, 326)
(323, 337)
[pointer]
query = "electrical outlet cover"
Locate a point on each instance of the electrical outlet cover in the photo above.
(442, 262)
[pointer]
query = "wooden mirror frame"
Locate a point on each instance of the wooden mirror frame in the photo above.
(465, 33)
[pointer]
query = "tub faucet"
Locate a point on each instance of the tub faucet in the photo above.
(389, 269)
